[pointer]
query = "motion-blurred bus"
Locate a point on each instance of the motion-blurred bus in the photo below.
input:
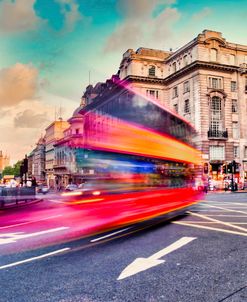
(135, 149)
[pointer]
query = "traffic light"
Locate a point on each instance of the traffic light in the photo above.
(229, 168)
(224, 169)
(25, 165)
(21, 170)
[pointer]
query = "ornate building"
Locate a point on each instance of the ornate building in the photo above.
(53, 133)
(206, 82)
(69, 152)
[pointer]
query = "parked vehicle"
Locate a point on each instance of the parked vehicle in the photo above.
(42, 189)
(71, 187)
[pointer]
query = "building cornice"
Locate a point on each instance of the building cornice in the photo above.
(140, 79)
(197, 65)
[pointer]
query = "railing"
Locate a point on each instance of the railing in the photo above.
(15, 195)
(217, 134)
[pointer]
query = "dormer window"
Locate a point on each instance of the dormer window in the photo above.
(151, 71)
(174, 67)
(213, 54)
(185, 60)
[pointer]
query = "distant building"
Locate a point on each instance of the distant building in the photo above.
(53, 133)
(69, 152)
(36, 161)
(4, 161)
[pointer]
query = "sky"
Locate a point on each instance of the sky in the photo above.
(48, 49)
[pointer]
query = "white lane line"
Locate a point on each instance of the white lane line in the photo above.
(209, 228)
(35, 258)
(227, 210)
(222, 215)
(224, 203)
(109, 235)
(211, 222)
(219, 222)
(28, 222)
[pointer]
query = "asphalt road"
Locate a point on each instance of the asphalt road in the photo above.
(200, 257)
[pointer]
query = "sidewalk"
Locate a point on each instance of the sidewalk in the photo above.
(228, 191)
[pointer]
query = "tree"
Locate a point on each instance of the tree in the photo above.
(8, 171)
(15, 170)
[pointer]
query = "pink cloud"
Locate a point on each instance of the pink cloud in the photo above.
(18, 83)
(18, 16)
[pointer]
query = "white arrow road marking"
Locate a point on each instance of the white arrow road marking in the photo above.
(28, 222)
(142, 264)
(35, 258)
(13, 237)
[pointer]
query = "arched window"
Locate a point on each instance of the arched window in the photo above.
(151, 71)
(174, 67)
(213, 54)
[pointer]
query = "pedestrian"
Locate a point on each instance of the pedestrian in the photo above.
(34, 182)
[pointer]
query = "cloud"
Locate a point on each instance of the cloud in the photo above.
(18, 83)
(30, 119)
(18, 16)
(140, 27)
(202, 14)
(70, 10)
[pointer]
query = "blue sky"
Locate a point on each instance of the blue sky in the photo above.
(50, 46)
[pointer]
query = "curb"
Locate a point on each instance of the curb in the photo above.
(20, 204)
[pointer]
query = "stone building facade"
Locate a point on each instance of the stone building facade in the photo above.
(68, 152)
(53, 133)
(204, 81)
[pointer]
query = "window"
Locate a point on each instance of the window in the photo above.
(215, 83)
(77, 131)
(232, 60)
(187, 106)
(174, 67)
(216, 115)
(217, 152)
(185, 60)
(233, 86)
(235, 151)
(245, 152)
(234, 106)
(213, 54)
(175, 107)
(153, 93)
(235, 131)
(186, 86)
(151, 71)
(175, 92)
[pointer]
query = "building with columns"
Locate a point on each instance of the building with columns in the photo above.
(204, 81)
(68, 150)
(53, 133)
